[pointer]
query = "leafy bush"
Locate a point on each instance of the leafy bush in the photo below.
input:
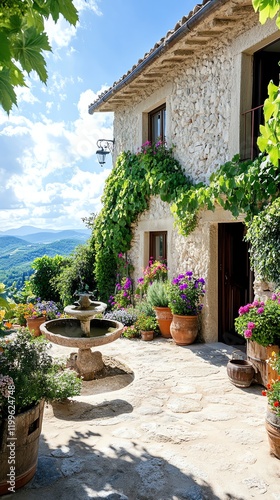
(264, 237)
(29, 374)
(46, 269)
(260, 321)
(157, 294)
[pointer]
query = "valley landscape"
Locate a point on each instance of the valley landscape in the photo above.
(19, 247)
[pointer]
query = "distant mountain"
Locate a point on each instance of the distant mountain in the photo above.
(49, 237)
(17, 255)
(28, 230)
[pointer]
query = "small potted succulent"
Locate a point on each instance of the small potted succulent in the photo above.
(28, 377)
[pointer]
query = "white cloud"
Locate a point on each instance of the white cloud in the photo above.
(52, 187)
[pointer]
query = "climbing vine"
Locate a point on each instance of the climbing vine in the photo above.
(240, 187)
(134, 179)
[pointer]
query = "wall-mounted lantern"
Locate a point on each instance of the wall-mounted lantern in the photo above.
(105, 146)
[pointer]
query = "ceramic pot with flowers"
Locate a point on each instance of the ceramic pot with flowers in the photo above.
(184, 294)
(146, 325)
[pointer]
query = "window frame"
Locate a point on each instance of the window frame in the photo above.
(161, 110)
(152, 245)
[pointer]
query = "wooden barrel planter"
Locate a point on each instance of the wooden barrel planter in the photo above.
(272, 424)
(19, 456)
(258, 356)
(240, 372)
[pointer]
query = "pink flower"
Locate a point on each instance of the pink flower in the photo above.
(251, 325)
(248, 334)
(260, 310)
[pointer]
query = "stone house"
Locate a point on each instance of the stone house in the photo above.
(196, 89)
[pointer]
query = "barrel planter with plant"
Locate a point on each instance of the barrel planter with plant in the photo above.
(258, 323)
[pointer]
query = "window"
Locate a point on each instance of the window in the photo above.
(158, 246)
(157, 124)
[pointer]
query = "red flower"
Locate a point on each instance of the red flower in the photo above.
(268, 386)
(263, 393)
(276, 403)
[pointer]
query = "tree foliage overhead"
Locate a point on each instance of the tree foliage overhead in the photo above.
(23, 41)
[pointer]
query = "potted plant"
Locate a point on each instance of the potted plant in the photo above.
(147, 325)
(28, 377)
(36, 314)
(272, 392)
(158, 298)
(185, 293)
(259, 322)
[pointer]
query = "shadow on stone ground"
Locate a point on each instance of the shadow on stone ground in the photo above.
(80, 471)
(78, 410)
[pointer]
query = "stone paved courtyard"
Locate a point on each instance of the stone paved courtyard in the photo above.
(179, 430)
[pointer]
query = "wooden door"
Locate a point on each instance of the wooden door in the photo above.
(234, 281)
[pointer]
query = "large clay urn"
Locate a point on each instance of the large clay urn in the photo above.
(184, 329)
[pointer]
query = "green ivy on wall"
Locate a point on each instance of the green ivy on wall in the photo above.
(240, 187)
(133, 180)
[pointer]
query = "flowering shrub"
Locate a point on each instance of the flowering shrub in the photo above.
(155, 271)
(123, 296)
(29, 374)
(273, 388)
(125, 316)
(146, 323)
(260, 321)
(185, 293)
(130, 332)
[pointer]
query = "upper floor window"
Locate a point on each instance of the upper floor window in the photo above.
(157, 124)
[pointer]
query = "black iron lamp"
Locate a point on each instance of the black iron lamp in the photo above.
(105, 146)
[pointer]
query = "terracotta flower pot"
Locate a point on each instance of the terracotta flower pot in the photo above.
(33, 324)
(147, 335)
(164, 318)
(184, 329)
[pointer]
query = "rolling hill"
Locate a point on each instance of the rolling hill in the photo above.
(17, 254)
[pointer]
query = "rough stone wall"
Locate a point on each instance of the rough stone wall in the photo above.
(201, 113)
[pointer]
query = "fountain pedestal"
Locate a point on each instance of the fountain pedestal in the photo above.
(86, 362)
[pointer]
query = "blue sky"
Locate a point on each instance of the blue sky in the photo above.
(50, 177)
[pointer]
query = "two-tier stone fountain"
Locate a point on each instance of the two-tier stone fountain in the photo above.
(83, 332)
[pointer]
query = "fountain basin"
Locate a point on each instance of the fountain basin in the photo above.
(68, 332)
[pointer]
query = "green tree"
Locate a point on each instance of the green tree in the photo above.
(23, 41)
(77, 275)
(46, 269)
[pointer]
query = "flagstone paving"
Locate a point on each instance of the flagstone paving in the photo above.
(180, 430)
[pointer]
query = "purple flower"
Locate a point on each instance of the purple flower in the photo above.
(183, 286)
(189, 273)
(175, 281)
(140, 280)
(183, 296)
(260, 310)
